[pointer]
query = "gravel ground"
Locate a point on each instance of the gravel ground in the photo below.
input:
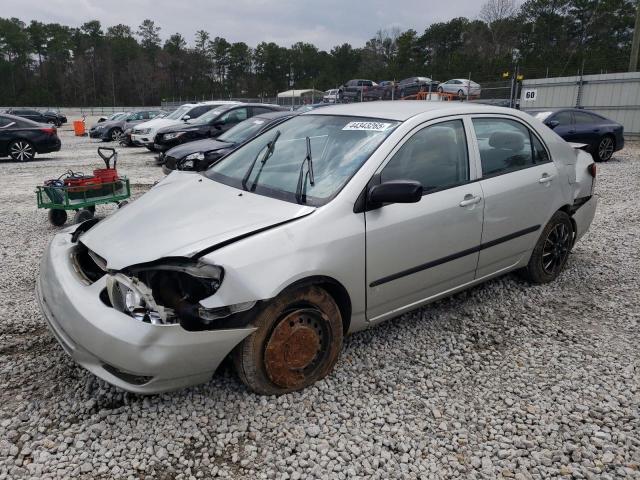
(503, 381)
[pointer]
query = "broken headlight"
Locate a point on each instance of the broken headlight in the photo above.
(164, 294)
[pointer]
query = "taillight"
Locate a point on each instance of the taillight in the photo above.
(49, 131)
(592, 170)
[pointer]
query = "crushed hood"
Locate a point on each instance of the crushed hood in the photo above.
(182, 215)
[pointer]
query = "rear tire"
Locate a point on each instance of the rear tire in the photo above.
(552, 250)
(461, 94)
(57, 218)
(297, 342)
(604, 149)
(22, 150)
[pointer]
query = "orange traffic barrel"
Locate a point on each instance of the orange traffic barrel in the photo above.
(78, 128)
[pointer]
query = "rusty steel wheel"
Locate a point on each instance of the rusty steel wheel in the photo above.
(297, 342)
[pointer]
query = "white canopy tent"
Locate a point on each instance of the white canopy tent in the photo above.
(300, 97)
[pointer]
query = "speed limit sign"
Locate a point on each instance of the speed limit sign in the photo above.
(529, 95)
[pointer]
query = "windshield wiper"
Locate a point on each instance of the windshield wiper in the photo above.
(270, 147)
(302, 179)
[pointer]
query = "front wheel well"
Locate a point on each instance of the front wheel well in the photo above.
(334, 288)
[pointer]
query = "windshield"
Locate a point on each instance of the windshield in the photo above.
(114, 116)
(208, 116)
(339, 147)
(178, 113)
(244, 130)
(542, 116)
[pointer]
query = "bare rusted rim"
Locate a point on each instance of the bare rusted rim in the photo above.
(297, 348)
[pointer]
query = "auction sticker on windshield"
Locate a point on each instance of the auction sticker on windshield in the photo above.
(374, 126)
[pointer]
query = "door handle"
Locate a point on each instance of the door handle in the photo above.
(571, 131)
(470, 200)
(546, 178)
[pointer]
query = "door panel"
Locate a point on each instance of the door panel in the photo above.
(418, 250)
(517, 207)
(520, 189)
(423, 245)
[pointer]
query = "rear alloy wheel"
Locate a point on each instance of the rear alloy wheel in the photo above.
(115, 134)
(461, 93)
(297, 342)
(21, 150)
(605, 149)
(552, 250)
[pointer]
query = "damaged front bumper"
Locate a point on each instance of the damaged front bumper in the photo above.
(135, 356)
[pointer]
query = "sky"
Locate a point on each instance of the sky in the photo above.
(324, 23)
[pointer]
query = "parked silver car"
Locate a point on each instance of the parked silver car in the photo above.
(460, 87)
(330, 222)
(112, 129)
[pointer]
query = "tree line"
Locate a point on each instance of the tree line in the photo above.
(53, 64)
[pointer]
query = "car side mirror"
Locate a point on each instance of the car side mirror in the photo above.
(395, 191)
(552, 124)
(186, 117)
(218, 124)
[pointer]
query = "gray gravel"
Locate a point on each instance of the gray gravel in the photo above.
(503, 381)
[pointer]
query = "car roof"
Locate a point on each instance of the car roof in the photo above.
(404, 109)
(16, 118)
(219, 102)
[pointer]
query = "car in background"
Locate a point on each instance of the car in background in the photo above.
(211, 124)
(355, 89)
(201, 154)
(125, 138)
(102, 127)
(330, 223)
(112, 130)
(460, 87)
(60, 117)
(602, 136)
(21, 138)
(414, 85)
(331, 96)
(36, 116)
(145, 133)
(109, 117)
(380, 91)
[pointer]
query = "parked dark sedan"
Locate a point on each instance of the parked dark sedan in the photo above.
(210, 124)
(603, 136)
(60, 117)
(21, 138)
(201, 154)
(51, 118)
(413, 85)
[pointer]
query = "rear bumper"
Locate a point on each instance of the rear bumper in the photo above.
(584, 216)
(132, 355)
(53, 145)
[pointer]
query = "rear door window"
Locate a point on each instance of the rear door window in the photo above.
(505, 146)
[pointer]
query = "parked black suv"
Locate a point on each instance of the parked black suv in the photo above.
(210, 124)
(51, 118)
(354, 90)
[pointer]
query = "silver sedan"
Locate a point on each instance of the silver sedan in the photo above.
(329, 223)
